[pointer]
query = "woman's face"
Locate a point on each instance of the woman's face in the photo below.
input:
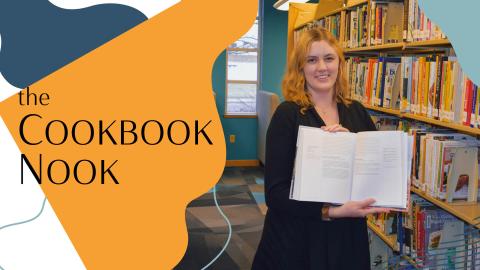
(321, 67)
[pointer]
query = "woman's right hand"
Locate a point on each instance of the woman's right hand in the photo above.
(355, 209)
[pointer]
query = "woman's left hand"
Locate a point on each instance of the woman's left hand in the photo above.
(335, 128)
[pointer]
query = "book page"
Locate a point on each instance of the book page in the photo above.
(378, 168)
(324, 165)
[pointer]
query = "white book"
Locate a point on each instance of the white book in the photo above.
(340, 167)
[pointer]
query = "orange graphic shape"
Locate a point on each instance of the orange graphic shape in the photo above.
(159, 70)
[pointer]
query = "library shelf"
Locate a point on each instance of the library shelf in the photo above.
(402, 46)
(428, 43)
(454, 126)
(466, 212)
(388, 46)
(389, 240)
(459, 127)
(384, 110)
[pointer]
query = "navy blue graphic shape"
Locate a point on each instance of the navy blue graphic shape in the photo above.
(39, 37)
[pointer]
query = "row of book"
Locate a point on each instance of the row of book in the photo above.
(356, 28)
(376, 81)
(419, 26)
(435, 239)
(380, 23)
(331, 23)
(431, 237)
(434, 86)
(445, 164)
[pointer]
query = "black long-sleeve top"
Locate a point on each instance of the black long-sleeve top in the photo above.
(281, 147)
(294, 235)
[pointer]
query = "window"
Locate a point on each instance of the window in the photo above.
(243, 74)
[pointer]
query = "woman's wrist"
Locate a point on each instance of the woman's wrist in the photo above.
(326, 212)
(332, 211)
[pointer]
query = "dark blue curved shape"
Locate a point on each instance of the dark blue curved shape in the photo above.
(39, 37)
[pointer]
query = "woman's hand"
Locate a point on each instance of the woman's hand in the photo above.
(335, 128)
(355, 209)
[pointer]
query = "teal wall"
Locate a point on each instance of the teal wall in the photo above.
(274, 52)
(273, 58)
(245, 129)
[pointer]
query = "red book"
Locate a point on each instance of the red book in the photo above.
(467, 103)
(421, 235)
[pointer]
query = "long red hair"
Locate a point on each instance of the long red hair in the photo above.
(293, 85)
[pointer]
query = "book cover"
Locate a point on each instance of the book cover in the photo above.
(462, 182)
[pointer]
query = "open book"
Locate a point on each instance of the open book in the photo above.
(340, 167)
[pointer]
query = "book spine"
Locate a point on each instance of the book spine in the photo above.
(400, 233)
(467, 103)
(430, 89)
(421, 234)
(365, 26)
(413, 88)
(405, 19)
(378, 24)
(438, 89)
(372, 22)
(383, 39)
(359, 27)
(404, 76)
(373, 99)
(473, 106)
(477, 108)
(382, 83)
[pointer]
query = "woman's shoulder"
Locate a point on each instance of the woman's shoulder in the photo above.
(287, 110)
(288, 107)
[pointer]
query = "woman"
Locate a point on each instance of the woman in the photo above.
(310, 235)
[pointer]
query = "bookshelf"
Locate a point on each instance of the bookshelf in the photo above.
(389, 240)
(418, 43)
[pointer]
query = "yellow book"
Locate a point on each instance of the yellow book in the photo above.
(444, 89)
(420, 84)
(423, 81)
(448, 89)
(426, 87)
(379, 83)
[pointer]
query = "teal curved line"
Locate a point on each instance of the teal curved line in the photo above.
(26, 221)
(229, 229)
(457, 21)
(1, 268)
